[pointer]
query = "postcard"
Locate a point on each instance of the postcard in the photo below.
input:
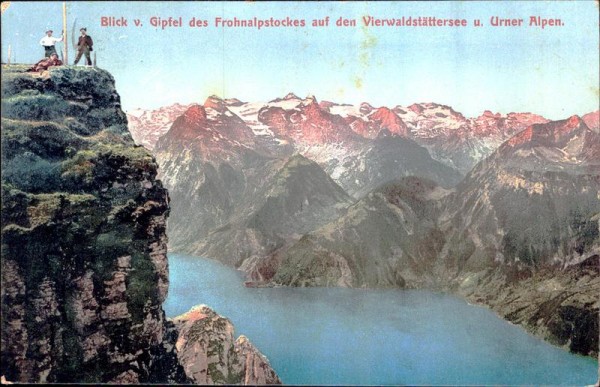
(304, 193)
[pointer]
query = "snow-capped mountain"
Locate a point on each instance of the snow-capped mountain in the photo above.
(320, 129)
(146, 126)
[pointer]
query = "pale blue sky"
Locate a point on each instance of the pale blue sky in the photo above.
(553, 72)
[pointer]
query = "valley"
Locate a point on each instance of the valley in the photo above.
(303, 193)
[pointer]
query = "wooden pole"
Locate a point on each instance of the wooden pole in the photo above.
(65, 45)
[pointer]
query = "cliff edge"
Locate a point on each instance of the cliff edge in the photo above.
(84, 245)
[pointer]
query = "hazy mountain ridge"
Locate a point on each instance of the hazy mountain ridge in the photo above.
(387, 239)
(219, 171)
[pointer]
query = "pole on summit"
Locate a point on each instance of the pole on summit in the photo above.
(65, 45)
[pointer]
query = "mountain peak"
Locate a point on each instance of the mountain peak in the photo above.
(309, 100)
(574, 121)
(289, 96)
(194, 114)
(416, 108)
(592, 120)
(311, 103)
(216, 103)
(488, 113)
(388, 119)
(551, 134)
(233, 102)
(366, 108)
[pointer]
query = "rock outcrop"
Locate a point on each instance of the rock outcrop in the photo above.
(84, 245)
(211, 355)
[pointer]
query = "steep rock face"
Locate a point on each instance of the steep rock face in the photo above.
(387, 239)
(84, 265)
(211, 355)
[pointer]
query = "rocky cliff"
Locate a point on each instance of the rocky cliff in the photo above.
(84, 264)
(211, 355)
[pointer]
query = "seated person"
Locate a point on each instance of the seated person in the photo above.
(45, 63)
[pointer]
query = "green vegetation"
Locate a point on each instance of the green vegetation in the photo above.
(30, 105)
(31, 173)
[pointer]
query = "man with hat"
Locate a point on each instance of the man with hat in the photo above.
(84, 46)
(48, 42)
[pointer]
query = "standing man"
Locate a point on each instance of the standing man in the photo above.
(84, 46)
(48, 42)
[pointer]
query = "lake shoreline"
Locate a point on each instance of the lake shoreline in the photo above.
(302, 331)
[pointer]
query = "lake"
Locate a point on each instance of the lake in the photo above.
(358, 336)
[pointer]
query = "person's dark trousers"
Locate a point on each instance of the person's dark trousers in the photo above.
(86, 51)
(49, 50)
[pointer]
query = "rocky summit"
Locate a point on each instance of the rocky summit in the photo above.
(211, 355)
(84, 264)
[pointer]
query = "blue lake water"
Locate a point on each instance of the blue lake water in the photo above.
(357, 336)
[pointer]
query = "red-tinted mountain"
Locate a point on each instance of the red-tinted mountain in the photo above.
(330, 135)
(568, 142)
(592, 120)
(457, 141)
(146, 126)
(376, 121)
(384, 118)
(211, 128)
(490, 124)
(307, 123)
(288, 96)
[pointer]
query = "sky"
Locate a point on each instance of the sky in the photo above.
(552, 71)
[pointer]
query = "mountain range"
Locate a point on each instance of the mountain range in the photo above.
(305, 193)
